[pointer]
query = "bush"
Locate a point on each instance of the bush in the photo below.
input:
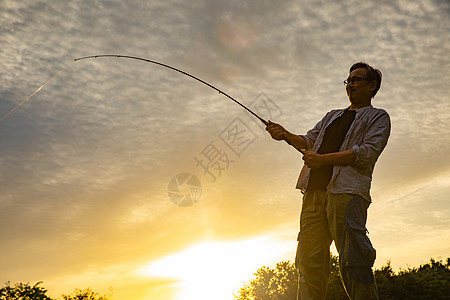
(24, 291)
(428, 282)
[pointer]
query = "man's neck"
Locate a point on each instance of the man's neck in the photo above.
(355, 106)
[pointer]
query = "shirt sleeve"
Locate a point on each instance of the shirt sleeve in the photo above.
(311, 136)
(374, 140)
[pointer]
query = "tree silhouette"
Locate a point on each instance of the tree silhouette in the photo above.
(272, 284)
(23, 291)
(335, 290)
(87, 294)
(428, 282)
(281, 283)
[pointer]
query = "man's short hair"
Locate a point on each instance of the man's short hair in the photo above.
(371, 74)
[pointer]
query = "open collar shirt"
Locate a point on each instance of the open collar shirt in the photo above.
(367, 137)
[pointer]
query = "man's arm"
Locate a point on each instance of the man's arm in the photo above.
(375, 139)
(280, 134)
(314, 160)
(373, 143)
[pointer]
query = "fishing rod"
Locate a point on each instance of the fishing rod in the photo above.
(178, 70)
(266, 123)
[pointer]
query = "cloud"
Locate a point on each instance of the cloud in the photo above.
(411, 213)
(86, 161)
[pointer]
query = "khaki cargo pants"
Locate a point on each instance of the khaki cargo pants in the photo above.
(341, 218)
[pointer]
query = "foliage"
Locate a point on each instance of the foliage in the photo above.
(23, 291)
(279, 283)
(430, 281)
(86, 294)
(335, 290)
(427, 282)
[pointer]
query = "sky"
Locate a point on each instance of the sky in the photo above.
(126, 176)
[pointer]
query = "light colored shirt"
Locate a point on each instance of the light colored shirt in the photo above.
(367, 136)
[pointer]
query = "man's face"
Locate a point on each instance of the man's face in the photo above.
(359, 89)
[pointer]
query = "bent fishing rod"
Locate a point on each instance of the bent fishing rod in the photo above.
(266, 123)
(178, 70)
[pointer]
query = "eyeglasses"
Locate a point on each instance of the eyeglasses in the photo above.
(354, 80)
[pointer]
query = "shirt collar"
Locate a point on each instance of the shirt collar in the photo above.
(362, 109)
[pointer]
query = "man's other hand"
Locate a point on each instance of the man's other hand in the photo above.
(313, 160)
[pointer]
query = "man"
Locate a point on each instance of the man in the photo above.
(340, 155)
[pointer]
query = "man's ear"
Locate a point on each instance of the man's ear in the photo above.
(373, 85)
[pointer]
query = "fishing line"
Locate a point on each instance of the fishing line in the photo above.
(20, 104)
(180, 71)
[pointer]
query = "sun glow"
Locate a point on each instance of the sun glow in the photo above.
(218, 269)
